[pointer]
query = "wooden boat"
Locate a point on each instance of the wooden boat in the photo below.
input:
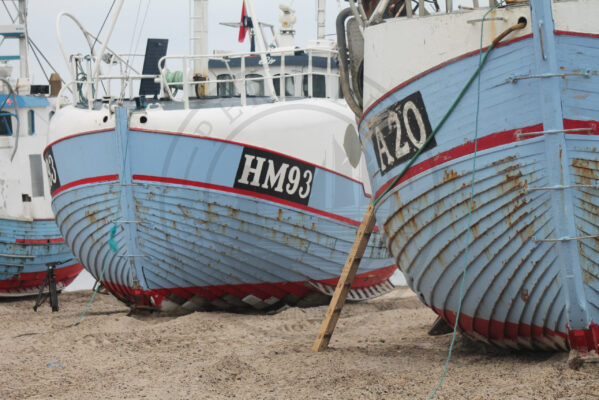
(233, 193)
(528, 240)
(29, 237)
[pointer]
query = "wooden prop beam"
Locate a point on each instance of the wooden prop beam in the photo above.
(345, 281)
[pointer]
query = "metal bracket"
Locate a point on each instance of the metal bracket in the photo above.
(549, 132)
(562, 187)
(514, 79)
(565, 239)
(472, 21)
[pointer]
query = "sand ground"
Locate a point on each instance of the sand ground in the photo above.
(380, 350)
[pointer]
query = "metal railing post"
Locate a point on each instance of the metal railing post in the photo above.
(283, 80)
(242, 79)
(310, 91)
(185, 88)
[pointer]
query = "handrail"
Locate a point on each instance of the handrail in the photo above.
(237, 77)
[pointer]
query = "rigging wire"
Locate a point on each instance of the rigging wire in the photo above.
(8, 12)
(131, 49)
(102, 26)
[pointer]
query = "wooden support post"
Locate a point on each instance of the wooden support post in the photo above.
(347, 277)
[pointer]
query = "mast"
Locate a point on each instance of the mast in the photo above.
(199, 38)
(262, 49)
(23, 48)
(320, 19)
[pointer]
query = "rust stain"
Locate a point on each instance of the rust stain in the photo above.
(527, 233)
(186, 213)
(91, 216)
(280, 214)
(503, 161)
(588, 278)
(474, 229)
(449, 175)
(524, 295)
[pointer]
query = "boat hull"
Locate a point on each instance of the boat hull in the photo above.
(527, 244)
(25, 249)
(196, 226)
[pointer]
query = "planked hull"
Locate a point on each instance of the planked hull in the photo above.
(190, 234)
(530, 239)
(25, 249)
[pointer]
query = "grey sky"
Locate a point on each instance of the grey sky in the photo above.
(165, 19)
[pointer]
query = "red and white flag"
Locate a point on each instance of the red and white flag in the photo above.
(243, 28)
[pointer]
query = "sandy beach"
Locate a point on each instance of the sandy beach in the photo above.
(380, 350)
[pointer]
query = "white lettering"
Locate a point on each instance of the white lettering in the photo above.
(248, 169)
(410, 106)
(275, 179)
(382, 149)
(294, 180)
(50, 169)
(306, 193)
(400, 150)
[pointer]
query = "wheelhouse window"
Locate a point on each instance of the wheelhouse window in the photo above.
(254, 85)
(31, 121)
(289, 85)
(225, 89)
(5, 124)
(319, 88)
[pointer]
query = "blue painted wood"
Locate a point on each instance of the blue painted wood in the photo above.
(199, 238)
(18, 256)
(521, 291)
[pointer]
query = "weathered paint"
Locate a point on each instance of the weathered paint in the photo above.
(524, 288)
(189, 237)
(25, 249)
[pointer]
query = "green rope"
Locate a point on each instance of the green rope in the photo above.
(472, 182)
(438, 127)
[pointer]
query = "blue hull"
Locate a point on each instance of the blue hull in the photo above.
(189, 238)
(25, 249)
(532, 266)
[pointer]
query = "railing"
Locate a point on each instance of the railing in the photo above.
(383, 7)
(88, 87)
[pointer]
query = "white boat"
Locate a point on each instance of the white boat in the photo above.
(29, 237)
(217, 186)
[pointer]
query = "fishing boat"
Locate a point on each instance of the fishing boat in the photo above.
(480, 132)
(213, 181)
(29, 237)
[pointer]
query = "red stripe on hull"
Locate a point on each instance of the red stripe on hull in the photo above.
(86, 181)
(570, 33)
(39, 241)
(501, 331)
(263, 291)
(33, 280)
(365, 279)
(486, 143)
(243, 192)
(252, 147)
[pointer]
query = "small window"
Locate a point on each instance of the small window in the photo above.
(225, 89)
(319, 88)
(254, 87)
(289, 85)
(37, 175)
(31, 120)
(5, 124)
